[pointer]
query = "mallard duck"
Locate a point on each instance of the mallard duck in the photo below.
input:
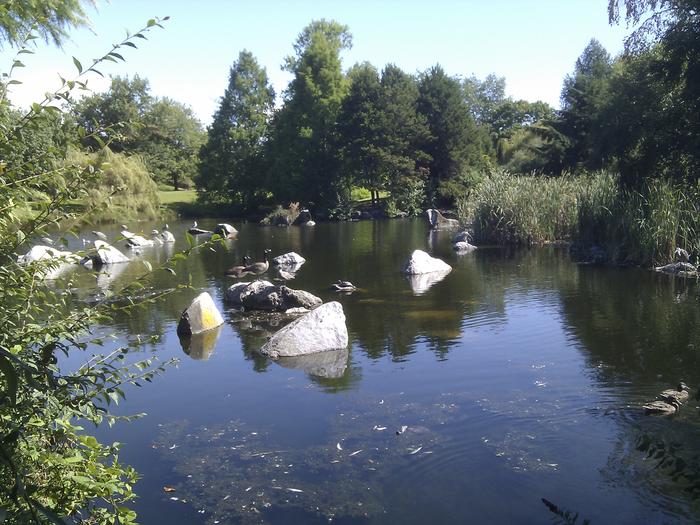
(675, 397)
(239, 271)
(343, 286)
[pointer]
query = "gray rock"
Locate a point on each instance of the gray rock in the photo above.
(225, 230)
(318, 331)
(263, 295)
(420, 262)
(463, 247)
(330, 364)
(200, 316)
(135, 241)
(438, 221)
(289, 259)
(678, 268)
(107, 254)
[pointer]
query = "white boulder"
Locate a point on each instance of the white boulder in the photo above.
(289, 259)
(320, 330)
(225, 230)
(134, 241)
(41, 252)
(107, 254)
(420, 262)
(200, 316)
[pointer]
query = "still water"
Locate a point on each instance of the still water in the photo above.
(519, 376)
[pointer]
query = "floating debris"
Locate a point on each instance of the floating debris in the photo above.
(173, 447)
(415, 451)
(337, 445)
(355, 453)
(403, 429)
(291, 489)
(168, 489)
(173, 498)
(377, 427)
(248, 489)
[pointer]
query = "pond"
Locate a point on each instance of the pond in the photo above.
(508, 392)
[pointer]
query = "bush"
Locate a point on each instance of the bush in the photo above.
(124, 192)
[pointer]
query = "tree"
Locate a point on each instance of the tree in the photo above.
(50, 19)
(456, 144)
(232, 157)
(169, 141)
(484, 96)
(581, 117)
(51, 469)
(305, 164)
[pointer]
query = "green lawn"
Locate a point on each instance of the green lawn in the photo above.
(170, 197)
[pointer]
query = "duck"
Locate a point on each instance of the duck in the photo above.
(675, 397)
(668, 401)
(260, 267)
(239, 271)
(343, 286)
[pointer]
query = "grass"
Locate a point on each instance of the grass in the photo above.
(642, 226)
(172, 197)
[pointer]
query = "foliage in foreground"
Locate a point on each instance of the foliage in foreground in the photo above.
(642, 226)
(51, 469)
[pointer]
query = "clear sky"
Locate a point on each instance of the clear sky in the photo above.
(532, 43)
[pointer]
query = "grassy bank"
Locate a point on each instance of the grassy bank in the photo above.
(630, 226)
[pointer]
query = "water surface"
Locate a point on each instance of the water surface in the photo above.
(518, 376)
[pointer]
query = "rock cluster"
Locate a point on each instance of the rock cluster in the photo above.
(263, 295)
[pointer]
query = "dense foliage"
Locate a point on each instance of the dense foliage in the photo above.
(51, 469)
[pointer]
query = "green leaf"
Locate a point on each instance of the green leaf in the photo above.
(78, 65)
(148, 266)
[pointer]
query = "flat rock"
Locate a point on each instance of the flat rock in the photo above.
(420, 262)
(320, 330)
(200, 316)
(289, 259)
(41, 252)
(263, 295)
(225, 230)
(105, 253)
(134, 240)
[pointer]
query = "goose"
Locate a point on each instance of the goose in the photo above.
(260, 267)
(239, 271)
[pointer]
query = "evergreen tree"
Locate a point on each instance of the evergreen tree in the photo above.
(231, 160)
(305, 164)
(457, 145)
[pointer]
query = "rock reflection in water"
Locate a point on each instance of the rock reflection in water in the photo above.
(201, 346)
(330, 364)
(421, 283)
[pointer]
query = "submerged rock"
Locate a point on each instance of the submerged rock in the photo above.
(263, 295)
(463, 247)
(438, 221)
(200, 316)
(320, 330)
(420, 262)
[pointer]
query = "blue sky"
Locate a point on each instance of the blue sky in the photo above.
(532, 43)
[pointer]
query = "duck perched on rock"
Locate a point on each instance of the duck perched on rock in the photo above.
(668, 401)
(196, 230)
(343, 286)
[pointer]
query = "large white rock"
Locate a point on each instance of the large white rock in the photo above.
(134, 241)
(200, 316)
(420, 262)
(107, 254)
(225, 230)
(320, 330)
(289, 259)
(62, 260)
(41, 252)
